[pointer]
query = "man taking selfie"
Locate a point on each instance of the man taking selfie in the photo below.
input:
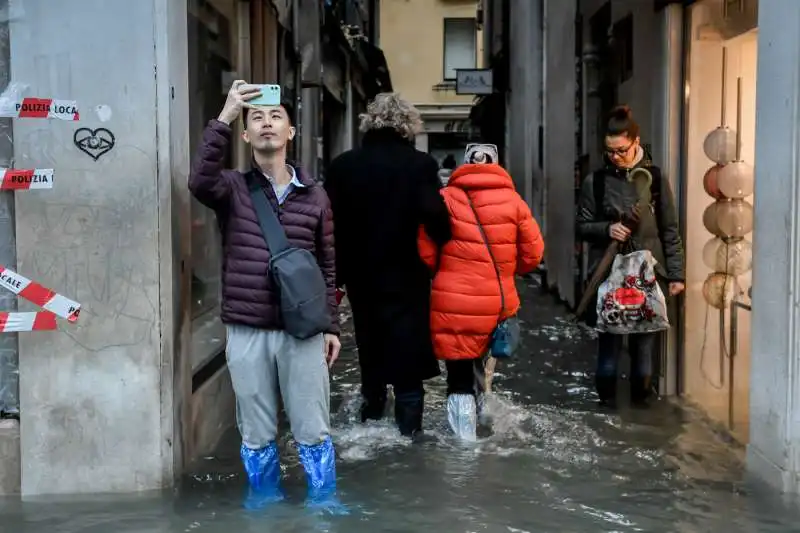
(268, 360)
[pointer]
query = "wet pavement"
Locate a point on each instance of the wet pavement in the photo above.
(553, 462)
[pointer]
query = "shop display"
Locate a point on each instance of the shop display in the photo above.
(720, 145)
(710, 250)
(710, 219)
(719, 289)
(735, 180)
(711, 182)
(730, 218)
(735, 258)
(734, 218)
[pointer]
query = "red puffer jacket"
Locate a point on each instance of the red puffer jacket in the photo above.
(465, 300)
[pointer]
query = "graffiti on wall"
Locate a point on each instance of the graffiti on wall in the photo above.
(94, 143)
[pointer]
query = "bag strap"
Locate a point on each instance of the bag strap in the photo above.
(274, 234)
(599, 190)
(491, 255)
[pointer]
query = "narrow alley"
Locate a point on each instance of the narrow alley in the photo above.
(554, 462)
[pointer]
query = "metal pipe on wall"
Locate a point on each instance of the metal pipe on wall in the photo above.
(307, 21)
(667, 150)
(298, 77)
(244, 66)
(525, 99)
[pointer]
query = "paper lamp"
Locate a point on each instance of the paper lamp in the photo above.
(720, 145)
(711, 182)
(734, 258)
(710, 219)
(719, 290)
(735, 180)
(734, 218)
(710, 250)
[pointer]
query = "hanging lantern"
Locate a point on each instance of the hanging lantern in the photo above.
(720, 145)
(736, 180)
(710, 182)
(719, 290)
(710, 250)
(734, 258)
(734, 218)
(710, 219)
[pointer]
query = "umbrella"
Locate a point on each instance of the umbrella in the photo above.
(643, 180)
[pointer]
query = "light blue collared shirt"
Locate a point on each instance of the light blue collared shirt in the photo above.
(282, 192)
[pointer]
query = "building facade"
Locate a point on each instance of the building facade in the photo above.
(426, 42)
(713, 84)
(695, 89)
(124, 398)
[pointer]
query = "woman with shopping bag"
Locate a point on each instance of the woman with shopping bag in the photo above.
(474, 299)
(626, 209)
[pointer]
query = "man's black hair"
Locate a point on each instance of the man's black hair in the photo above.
(287, 106)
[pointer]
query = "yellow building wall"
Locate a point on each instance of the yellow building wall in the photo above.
(412, 38)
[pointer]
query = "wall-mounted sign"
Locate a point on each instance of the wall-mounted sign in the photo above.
(474, 81)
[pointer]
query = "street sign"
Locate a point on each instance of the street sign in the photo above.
(474, 81)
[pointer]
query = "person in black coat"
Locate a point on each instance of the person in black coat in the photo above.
(381, 193)
(606, 197)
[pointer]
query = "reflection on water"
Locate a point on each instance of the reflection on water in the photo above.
(550, 462)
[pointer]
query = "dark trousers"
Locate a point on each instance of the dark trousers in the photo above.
(642, 348)
(465, 376)
(409, 402)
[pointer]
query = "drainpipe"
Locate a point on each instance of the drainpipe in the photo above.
(298, 79)
(307, 21)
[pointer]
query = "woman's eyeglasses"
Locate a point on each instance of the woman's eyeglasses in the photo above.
(619, 151)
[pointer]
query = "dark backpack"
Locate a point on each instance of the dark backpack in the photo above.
(295, 272)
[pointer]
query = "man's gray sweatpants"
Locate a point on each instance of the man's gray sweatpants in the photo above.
(266, 365)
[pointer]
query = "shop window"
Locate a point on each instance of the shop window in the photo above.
(623, 44)
(720, 122)
(213, 65)
(460, 45)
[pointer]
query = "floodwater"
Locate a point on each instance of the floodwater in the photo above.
(553, 461)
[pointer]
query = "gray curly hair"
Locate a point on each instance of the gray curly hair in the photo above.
(389, 110)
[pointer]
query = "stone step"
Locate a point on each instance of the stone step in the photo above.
(9, 457)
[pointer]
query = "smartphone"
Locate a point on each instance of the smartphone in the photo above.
(270, 95)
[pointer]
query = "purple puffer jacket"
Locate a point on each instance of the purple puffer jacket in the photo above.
(248, 294)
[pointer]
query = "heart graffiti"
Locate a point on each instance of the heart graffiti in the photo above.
(94, 143)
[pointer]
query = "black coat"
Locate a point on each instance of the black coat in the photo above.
(380, 194)
(658, 230)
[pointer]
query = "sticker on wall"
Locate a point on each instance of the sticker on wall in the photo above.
(103, 112)
(94, 143)
(53, 304)
(13, 179)
(42, 108)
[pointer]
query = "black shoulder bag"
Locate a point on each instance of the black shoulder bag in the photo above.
(295, 272)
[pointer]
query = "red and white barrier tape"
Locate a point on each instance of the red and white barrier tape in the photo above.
(43, 108)
(13, 179)
(33, 321)
(45, 298)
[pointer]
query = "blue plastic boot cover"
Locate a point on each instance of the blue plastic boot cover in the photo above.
(263, 470)
(319, 462)
(462, 416)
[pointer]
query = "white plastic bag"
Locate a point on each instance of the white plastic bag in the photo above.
(630, 299)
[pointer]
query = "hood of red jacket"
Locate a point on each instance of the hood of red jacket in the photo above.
(480, 176)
